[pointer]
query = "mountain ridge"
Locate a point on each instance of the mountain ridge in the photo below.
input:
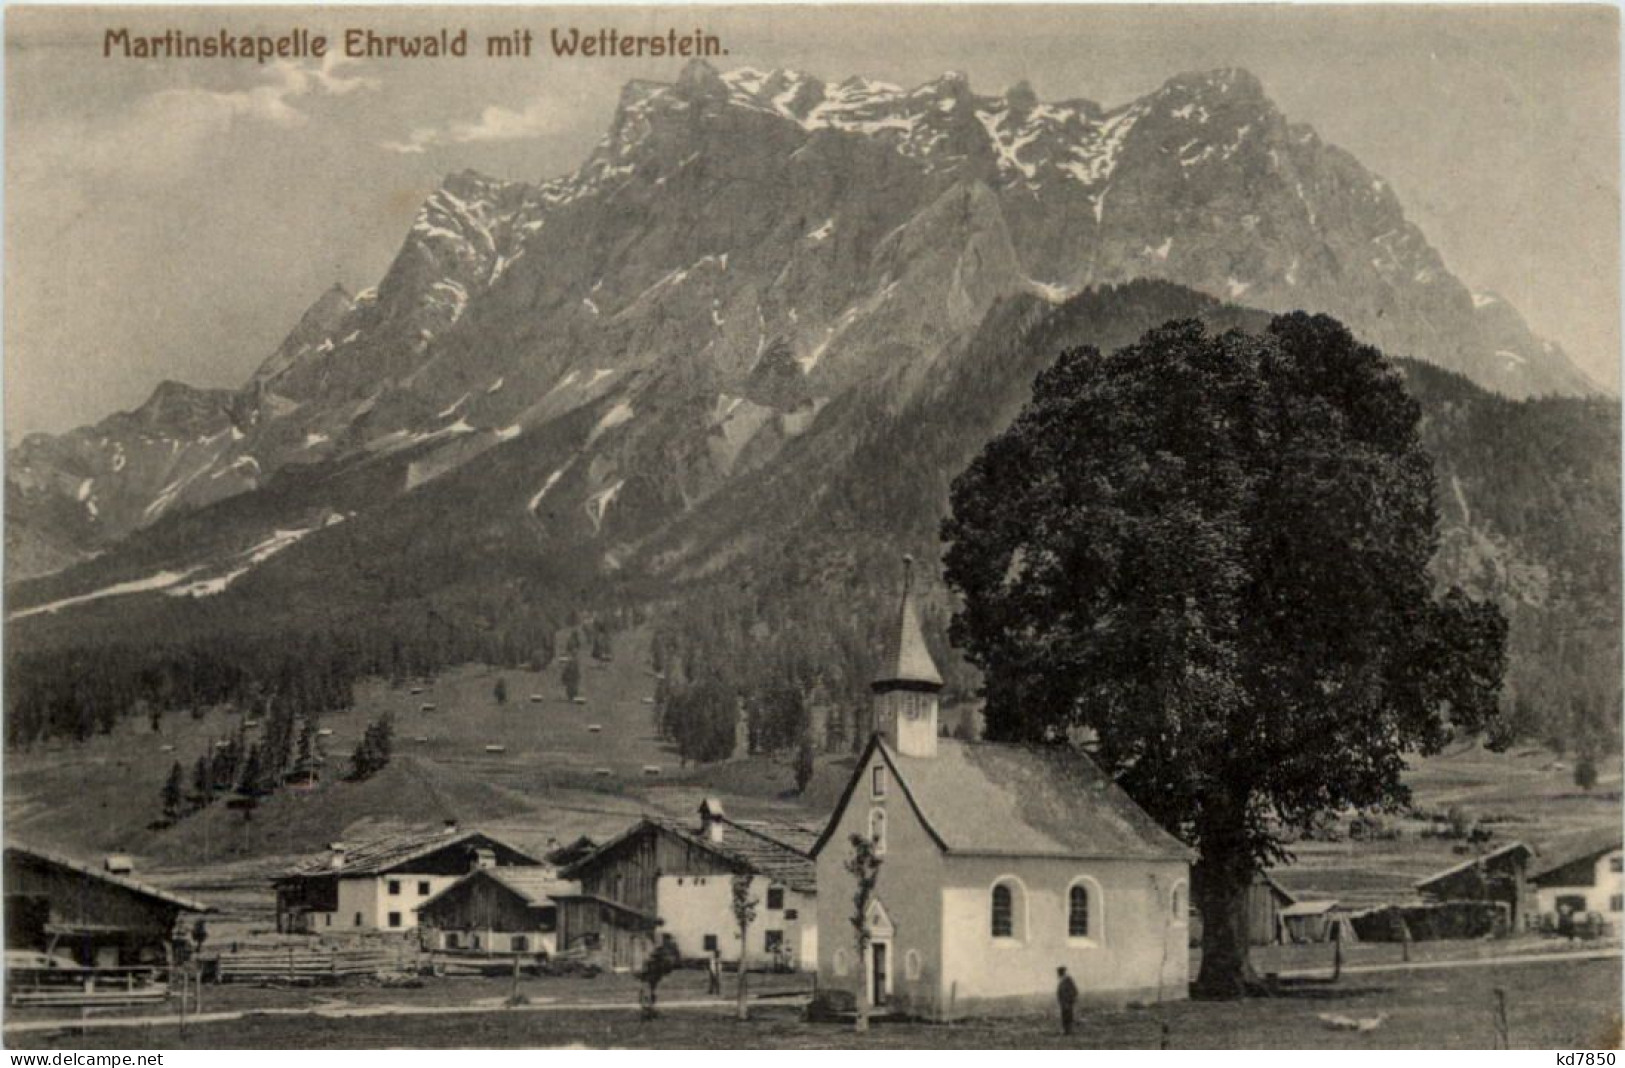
(741, 250)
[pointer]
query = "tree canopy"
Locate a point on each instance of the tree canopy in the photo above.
(1210, 553)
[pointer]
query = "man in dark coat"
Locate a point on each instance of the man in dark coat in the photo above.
(1066, 992)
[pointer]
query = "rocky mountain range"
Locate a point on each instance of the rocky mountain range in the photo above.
(752, 278)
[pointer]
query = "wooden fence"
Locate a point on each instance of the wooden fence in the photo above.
(312, 963)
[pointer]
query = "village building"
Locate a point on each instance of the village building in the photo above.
(379, 885)
(91, 916)
(500, 910)
(1266, 900)
(1000, 863)
(1582, 875)
(1500, 875)
(661, 878)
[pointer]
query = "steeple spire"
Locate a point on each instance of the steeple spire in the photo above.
(907, 663)
(907, 684)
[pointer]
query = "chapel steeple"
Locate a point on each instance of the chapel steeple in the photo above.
(907, 686)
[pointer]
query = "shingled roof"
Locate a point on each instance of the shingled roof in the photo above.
(90, 871)
(776, 851)
(380, 855)
(989, 798)
(537, 887)
(1561, 852)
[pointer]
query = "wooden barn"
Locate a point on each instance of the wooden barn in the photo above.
(76, 911)
(378, 885)
(1500, 875)
(1266, 900)
(490, 911)
(659, 871)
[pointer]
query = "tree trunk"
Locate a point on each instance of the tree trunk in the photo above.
(1226, 970)
(744, 1010)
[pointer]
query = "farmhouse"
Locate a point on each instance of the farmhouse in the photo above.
(1500, 875)
(1000, 863)
(496, 910)
(379, 885)
(661, 873)
(95, 918)
(1582, 874)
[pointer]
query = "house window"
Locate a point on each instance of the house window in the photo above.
(1616, 903)
(453, 940)
(1616, 864)
(394, 886)
(710, 943)
(423, 888)
(521, 944)
(1077, 912)
(773, 941)
(877, 830)
(328, 918)
(1177, 905)
(1004, 912)
(394, 919)
(775, 897)
(877, 787)
(358, 919)
(792, 914)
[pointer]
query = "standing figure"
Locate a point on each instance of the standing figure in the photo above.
(1066, 992)
(713, 973)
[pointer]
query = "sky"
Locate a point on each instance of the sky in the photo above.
(172, 219)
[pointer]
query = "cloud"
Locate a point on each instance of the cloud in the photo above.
(496, 123)
(166, 131)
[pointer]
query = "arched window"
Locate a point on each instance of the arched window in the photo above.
(1077, 911)
(911, 964)
(1004, 911)
(877, 830)
(1177, 903)
(842, 962)
(1085, 912)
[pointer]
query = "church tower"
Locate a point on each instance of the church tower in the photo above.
(907, 686)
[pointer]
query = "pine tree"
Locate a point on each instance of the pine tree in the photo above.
(202, 783)
(174, 792)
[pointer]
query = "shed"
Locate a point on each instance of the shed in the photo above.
(1499, 875)
(73, 910)
(496, 911)
(1317, 921)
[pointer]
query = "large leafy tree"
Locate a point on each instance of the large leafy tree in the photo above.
(1211, 554)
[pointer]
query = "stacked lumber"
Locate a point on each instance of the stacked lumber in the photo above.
(310, 964)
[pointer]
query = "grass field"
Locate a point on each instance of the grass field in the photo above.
(1557, 1005)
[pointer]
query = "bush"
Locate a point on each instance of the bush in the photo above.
(828, 1006)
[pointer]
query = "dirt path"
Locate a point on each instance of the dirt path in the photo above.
(342, 1010)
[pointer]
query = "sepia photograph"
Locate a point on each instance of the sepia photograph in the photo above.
(837, 527)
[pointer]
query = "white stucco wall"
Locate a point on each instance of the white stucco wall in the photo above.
(693, 906)
(481, 941)
(1607, 884)
(370, 898)
(910, 871)
(1136, 948)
